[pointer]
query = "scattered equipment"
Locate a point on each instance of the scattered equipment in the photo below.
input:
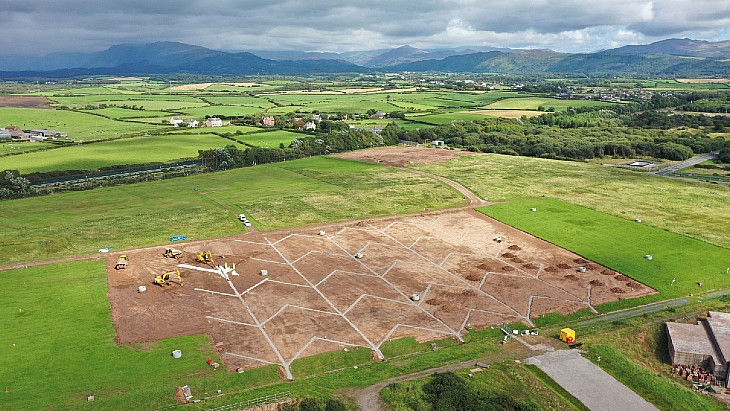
(415, 297)
(649, 257)
(121, 262)
(178, 238)
(206, 257)
(213, 364)
(164, 278)
(176, 354)
(142, 288)
(173, 253)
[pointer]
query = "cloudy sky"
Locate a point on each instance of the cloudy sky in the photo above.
(44, 26)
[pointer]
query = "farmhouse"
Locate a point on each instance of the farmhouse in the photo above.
(5, 134)
(438, 143)
(42, 132)
(379, 115)
(176, 121)
(192, 123)
(213, 122)
(705, 344)
(310, 125)
(268, 121)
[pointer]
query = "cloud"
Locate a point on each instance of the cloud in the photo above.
(42, 26)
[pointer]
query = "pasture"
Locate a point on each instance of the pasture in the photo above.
(288, 194)
(137, 150)
(269, 139)
(696, 210)
(533, 103)
(79, 126)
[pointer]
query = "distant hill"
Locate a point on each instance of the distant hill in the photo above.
(680, 47)
(673, 57)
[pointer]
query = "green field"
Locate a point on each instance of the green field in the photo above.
(446, 118)
(678, 263)
(684, 207)
(115, 113)
(226, 111)
(14, 148)
(269, 139)
(288, 194)
(136, 150)
(532, 103)
(79, 126)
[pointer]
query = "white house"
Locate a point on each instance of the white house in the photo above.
(192, 123)
(176, 121)
(214, 122)
(438, 143)
(310, 125)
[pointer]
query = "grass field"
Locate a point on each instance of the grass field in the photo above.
(507, 113)
(80, 126)
(678, 263)
(684, 207)
(229, 111)
(115, 113)
(446, 118)
(269, 139)
(532, 103)
(136, 150)
(292, 193)
(13, 147)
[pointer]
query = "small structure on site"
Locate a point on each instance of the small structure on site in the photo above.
(705, 344)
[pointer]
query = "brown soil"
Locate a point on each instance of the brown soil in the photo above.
(399, 156)
(24, 102)
(580, 261)
(621, 277)
(551, 269)
(515, 247)
(608, 272)
(596, 283)
(318, 298)
(617, 290)
(508, 255)
(571, 277)
(563, 266)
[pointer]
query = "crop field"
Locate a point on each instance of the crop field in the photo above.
(351, 285)
(678, 262)
(696, 210)
(136, 150)
(281, 195)
(507, 113)
(79, 126)
(270, 139)
(532, 103)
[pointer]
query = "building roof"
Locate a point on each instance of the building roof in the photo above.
(693, 339)
(719, 323)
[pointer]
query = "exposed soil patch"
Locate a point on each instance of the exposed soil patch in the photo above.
(295, 293)
(24, 102)
(398, 156)
(515, 247)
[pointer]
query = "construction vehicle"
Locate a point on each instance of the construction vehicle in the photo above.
(568, 336)
(206, 257)
(165, 278)
(121, 262)
(173, 253)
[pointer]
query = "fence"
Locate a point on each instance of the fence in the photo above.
(252, 402)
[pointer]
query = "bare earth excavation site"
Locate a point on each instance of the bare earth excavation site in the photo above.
(273, 297)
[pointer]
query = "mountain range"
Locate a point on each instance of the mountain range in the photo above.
(678, 57)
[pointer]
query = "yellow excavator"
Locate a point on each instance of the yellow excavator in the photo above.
(172, 253)
(206, 257)
(121, 263)
(165, 278)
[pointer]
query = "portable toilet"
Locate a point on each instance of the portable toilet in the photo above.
(567, 335)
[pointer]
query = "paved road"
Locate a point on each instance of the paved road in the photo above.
(687, 163)
(588, 382)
